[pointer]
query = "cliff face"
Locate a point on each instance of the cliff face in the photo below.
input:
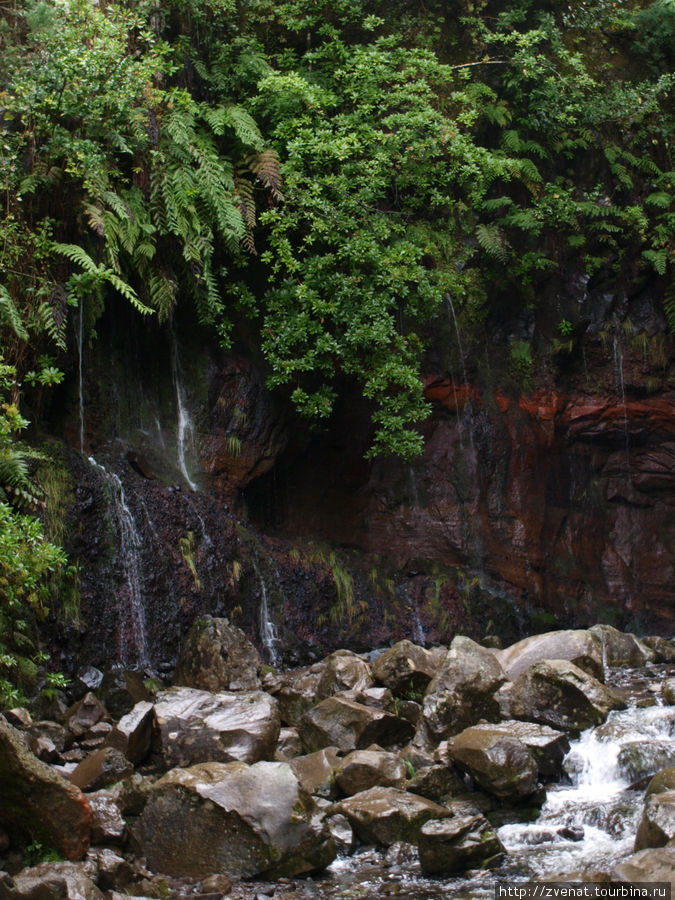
(533, 507)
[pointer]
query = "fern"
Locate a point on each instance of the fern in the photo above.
(661, 199)
(658, 258)
(9, 315)
(492, 241)
(100, 273)
(669, 306)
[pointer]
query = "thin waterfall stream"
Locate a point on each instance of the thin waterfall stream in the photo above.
(184, 425)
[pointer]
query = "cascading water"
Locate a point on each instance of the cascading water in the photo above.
(268, 632)
(131, 631)
(184, 426)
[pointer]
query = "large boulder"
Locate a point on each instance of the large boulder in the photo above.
(583, 648)
(560, 694)
(36, 803)
(343, 671)
(50, 881)
(657, 826)
(296, 691)
(450, 846)
(647, 865)
(440, 783)
(385, 815)
(621, 649)
(406, 669)
(502, 765)
(461, 693)
(663, 781)
(316, 771)
(363, 769)
(196, 726)
(132, 735)
(338, 722)
(102, 768)
(233, 818)
(547, 746)
(217, 656)
(84, 714)
(639, 759)
(662, 648)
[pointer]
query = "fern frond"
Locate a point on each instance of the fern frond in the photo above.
(78, 255)
(658, 258)
(492, 241)
(265, 166)
(9, 314)
(235, 117)
(661, 199)
(669, 306)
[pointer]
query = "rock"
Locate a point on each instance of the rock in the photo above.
(343, 671)
(384, 815)
(662, 648)
(37, 804)
(51, 881)
(113, 871)
(583, 648)
(217, 656)
(342, 833)
(406, 669)
(669, 691)
(216, 884)
(461, 693)
(350, 726)
(559, 694)
(18, 717)
(316, 771)
(132, 735)
(363, 769)
(572, 832)
(647, 865)
(638, 759)
(85, 713)
(107, 824)
(657, 825)
(197, 726)
(132, 795)
(377, 697)
(121, 690)
(548, 746)
(439, 783)
(295, 692)
(502, 765)
(103, 767)
(289, 744)
(450, 846)
(661, 782)
(234, 818)
(620, 649)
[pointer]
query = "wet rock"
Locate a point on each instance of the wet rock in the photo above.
(37, 804)
(342, 833)
(638, 759)
(18, 717)
(216, 884)
(461, 693)
(343, 671)
(572, 832)
(197, 726)
(239, 819)
(51, 881)
(107, 824)
(620, 649)
(316, 771)
(559, 694)
(294, 691)
(88, 678)
(132, 735)
(217, 656)
(661, 782)
(104, 767)
(450, 846)
(363, 769)
(377, 697)
(581, 647)
(113, 872)
(289, 744)
(647, 865)
(439, 783)
(406, 669)
(132, 795)
(502, 765)
(662, 648)
(384, 815)
(348, 726)
(121, 690)
(547, 746)
(85, 713)
(669, 691)
(657, 825)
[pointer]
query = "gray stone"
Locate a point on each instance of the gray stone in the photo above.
(343, 671)
(340, 723)
(502, 765)
(451, 846)
(316, 771)
(50, 881)
(363, 769)
(661, 782)
(647, 865)
(406, 669)
(197, 726)
(103, 767)
(383, 815)
(662, 648)
(85, 713)
(657, 826)
(638, 759)
(581, 647)
(289, 744)
(295, 691)
(620, 649)
(132, 735)
(107, 824)
(234, 818)
(439, 783)
(547, 745)
(217, 656)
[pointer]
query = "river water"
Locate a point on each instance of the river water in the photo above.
(599, 804)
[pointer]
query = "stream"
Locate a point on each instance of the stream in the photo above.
(599, 804)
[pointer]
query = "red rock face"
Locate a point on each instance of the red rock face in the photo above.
(563, 501)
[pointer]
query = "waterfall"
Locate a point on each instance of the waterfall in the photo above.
(418, 633)
(80, 380)
(621, 390)
(131, 632)
(268, 632)
(184, 428)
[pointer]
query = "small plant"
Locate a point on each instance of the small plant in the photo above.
(187, 551)
(565, 327)
(36, 852)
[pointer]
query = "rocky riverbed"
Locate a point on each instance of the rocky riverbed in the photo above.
(410, 771)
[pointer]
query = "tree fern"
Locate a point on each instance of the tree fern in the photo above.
(492, 241)
(9, 315)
